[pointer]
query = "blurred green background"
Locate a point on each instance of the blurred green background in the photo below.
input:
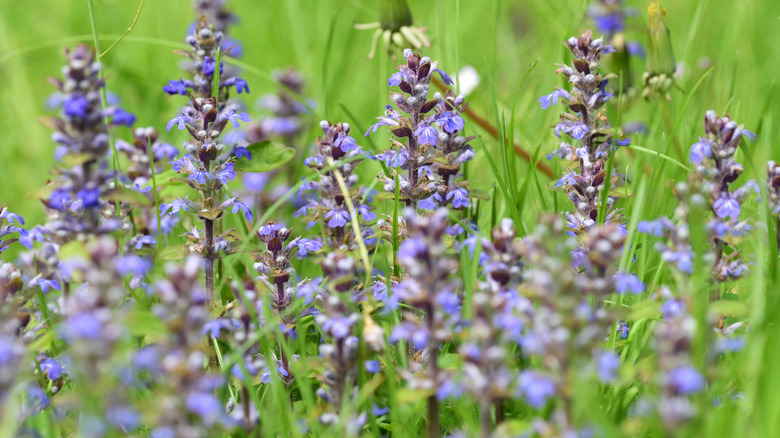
(499, 38)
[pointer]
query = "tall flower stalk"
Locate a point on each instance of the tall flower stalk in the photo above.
(431, 293)
(592, 141)
(431, 157)
(207, 165)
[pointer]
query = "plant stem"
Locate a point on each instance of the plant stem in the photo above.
(433, 372)
(209, 257)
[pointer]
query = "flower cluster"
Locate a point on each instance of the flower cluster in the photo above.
(431, 156)
(586, 123)
(489, 343)
(78, 196)
(336, 151)
(565, 331)
(186, 402)
(431, 293)
(206, 41)
(338, 321)
(710, 187)
(276, 272)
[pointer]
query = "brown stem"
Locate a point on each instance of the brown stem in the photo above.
(499, 404)
(208, 252)
(485, 425)
(484, 124)
(433, 402)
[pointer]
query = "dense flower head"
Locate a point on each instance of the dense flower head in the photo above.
(77, 196)
(585, 124)
(336, 151)
(205, 40)
(431, 147)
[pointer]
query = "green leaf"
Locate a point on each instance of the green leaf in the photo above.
(266, 156)
(128, 196)
(73, 160)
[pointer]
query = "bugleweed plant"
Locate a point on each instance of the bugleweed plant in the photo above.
(304, 268)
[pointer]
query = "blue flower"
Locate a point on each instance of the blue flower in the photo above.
(426, 134)
(365, 212)
(653, 228)
(393, 158)
(579, 130)
(397, 78)
(133, 264)
(726, 206)
(305, 246)
(240, 206)
(255, 181)
(628, 283)
(345, 142)
(226, 173)
(338, 217)
(200, 176)
(549, 99)
(180, 121)
(209, 65)
(36, 233)
(234, 118)
(46, 284)
(684, 260)
(608, 364)
(610, 23)
(390, 118)
(205, 406)
(450, 121)
(89, 196)
(242, 152)
(215, 326)
(429, 203)
(377, 411)
(459, 196)
(701, 149)
(380, 291)
(241, 85)
(175, 206)
(536, 389)
(122, 117)
(75, 105)
(672, 308)
(685, 380)
(50, 367)
(176, 87)
(269, 229)
(567, 178)
(447, 80)
(165, 150)
(83, 326)
(623, 329)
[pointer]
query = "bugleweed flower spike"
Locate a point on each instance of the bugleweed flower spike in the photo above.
(586, 127)
(431, 148)
(78, 195)
(710, 186)
(207, 166)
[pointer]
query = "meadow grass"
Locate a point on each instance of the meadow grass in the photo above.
(728, 51)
